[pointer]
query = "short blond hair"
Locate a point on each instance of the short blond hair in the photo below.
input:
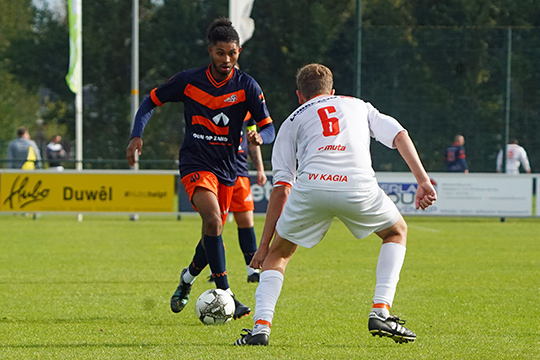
(314, 79)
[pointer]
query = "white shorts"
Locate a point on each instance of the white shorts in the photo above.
(308, 214)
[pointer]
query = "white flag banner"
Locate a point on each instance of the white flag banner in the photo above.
(73, 78)
(239, 14)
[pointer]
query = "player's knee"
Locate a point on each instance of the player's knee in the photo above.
(213, 226)
(397, 233)
(244, 220)
(402, 228)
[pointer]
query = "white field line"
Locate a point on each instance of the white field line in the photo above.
(423, 228)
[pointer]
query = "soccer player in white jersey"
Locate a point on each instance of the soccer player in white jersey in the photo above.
(515, 156)
(329, 137)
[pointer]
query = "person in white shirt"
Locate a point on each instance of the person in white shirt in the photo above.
(55, 153)
(322, 169)
(515, 156)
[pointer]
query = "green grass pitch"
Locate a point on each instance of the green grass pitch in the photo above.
(100, 289)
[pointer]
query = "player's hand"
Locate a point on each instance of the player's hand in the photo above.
(425, 195)
(258, 258)
(261, 178)
(135, 145)
(254, 137)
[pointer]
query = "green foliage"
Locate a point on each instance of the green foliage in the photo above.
(15, 18)
(18, 106)
(439, 67)
(13, 114)
(100, 289)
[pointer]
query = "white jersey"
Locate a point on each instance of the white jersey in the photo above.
(515, 156)
(329, 137)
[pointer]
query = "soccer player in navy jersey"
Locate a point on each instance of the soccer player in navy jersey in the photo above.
(455, 156)
(216, 100)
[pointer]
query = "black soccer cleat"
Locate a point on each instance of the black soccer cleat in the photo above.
(249, 339)
(253, 278)
(391, 327)
(240, 309)
(181, 295)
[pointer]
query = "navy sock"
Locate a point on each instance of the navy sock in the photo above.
(215, 254)
(248, 243)
(199, 261)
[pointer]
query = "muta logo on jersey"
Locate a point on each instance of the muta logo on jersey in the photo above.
(337, 147)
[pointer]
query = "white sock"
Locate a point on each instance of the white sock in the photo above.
(391, 259)
(251, 270)
(266, 295)
(380, 312)
(188, 278)
(261, 328)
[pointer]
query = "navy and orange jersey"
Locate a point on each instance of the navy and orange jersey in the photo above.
(242, 156)
(455, 159)
(214, 117)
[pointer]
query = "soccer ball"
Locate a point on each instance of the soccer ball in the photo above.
(215, 307)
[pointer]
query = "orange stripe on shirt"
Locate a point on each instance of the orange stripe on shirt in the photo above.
(154, 98)
(214, 102)
(282, 183)
(209, 124)
(263, 122)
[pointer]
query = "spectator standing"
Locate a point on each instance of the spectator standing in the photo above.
(515, 156)
(23, 152)
(455, 156)
(55, 153)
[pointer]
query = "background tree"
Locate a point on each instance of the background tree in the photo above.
(438, 67)
(18, 105)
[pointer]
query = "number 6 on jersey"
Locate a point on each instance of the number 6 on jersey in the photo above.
(330, 124)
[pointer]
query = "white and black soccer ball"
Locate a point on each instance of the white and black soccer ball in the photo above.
(215, 307)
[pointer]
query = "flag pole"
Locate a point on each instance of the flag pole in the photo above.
(135, 78)
(74, 76)
(358, 42)
(79, 94)
(135, 68)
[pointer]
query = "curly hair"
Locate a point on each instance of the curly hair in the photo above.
(221, 29)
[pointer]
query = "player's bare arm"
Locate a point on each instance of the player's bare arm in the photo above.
(135, 145)
(256, 157)
(277, 200)
(425, 194)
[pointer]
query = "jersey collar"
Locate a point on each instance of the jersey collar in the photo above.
(218, 84)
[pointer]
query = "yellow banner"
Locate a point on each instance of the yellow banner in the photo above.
(32, 191)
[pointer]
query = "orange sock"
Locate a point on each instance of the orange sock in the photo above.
(382, 310)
